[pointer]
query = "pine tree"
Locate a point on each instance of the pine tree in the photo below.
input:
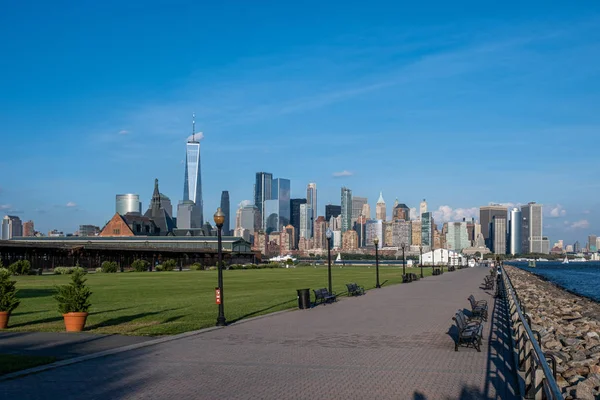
(74, 296)
(8, 293)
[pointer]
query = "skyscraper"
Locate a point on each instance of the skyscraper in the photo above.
(380, 208)
(422, 208)
(262, 191)
(374, 229)
(248, 217)
(126, 203)
(295, 217)
(226, 210)
(311, 199)
(357, 207)
(401, 212)
(277, 209)
(11, 227)
(486, 215)
(592, 243)
(346, 209)
(427, 229)
(306, 221)
(498, 234)
(192, 185)
(531, 228)
(187, 215)
(457, 237)
(332, 211)
(515, 232)
(28, 229)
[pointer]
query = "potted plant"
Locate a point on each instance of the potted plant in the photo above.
(73, 302)
(8, 298)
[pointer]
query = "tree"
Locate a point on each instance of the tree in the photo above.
(73, 297)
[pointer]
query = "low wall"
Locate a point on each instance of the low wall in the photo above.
(569, 327)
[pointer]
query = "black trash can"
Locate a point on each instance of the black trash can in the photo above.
(303, 298)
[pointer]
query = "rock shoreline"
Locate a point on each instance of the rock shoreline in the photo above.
(569, 326)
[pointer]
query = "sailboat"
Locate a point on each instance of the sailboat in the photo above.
(566, 260)
(339, 258)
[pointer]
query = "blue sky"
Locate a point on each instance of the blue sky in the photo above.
(459, 103)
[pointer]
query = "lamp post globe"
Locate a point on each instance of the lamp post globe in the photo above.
(376, 243)
(329, 235)
(219, 219)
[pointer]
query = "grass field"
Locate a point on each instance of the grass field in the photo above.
(11, 362)
(165, 303)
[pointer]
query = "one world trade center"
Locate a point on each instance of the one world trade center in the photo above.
(192, 187)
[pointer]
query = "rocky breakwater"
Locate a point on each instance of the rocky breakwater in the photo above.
(569, 326)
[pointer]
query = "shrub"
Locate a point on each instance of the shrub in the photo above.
(140, 265)
(169, 265)
(212, 268)
(159, 268)
(8, 292)
(99, 270)
(109, 267)
(4, 270)
(68, 270)
(196, 267)
(21, 267)
(74, 296)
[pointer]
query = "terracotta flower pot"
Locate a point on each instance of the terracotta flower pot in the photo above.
(4, 315)
(75, 321)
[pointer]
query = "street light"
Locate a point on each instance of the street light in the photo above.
(376, 243)
(403, 245)
(329, 234)
(219, 218)
(421, 259)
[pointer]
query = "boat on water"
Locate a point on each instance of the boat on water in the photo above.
(579, 259)
(531, 264)
(566, 260)
(339, 258)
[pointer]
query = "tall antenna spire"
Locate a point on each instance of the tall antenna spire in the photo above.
(193, 127)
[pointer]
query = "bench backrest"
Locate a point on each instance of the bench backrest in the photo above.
(319, 293)
(352, 287)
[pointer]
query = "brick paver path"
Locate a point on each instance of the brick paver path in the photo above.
(392, 343)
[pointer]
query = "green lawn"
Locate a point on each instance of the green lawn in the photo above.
(164, 303)
(11, 363)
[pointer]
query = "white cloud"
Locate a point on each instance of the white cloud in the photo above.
(587, 212)
(245, 203)
(449, 214)
(198, 136)
(556, 211)
(5, 206)
(71, 204)
(581, 224)
(342, 174)
(124, 132)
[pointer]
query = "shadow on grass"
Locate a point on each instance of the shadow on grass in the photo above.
(55, 319)
(32, 293)
(258, 312)
(126, 319)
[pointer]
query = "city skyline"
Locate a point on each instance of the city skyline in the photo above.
(507, 102)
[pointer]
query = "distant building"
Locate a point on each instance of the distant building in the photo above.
(89, 230)
(295, 217)
(319, 229)
(277, 209)
(290, 231)
(576, 247)
(350, 240)
(592, 247)
(262, 192)
(401, 212)
(346, 209)
(360, 229)
(486, 215)
(56, 233)
(192, 186)
(515, 232)
(401, 233)
(366, 211)
(248, 217)
(422, 208)
(569, 248)
(337, 239)
(457, 237)
(188, 215)
(532, 228)
(28, 229)
(499, 235)
(416, 232)
(11, 227)
(427, 229)
(388, 233)
(225, 207)
(374, 229)
(131, 224)
(158, 214)
(357, 207)
(380, 212)
(242, 233)
(306, 225)
(332, 211)
(128, 203)
(545, 245)
(311, 199)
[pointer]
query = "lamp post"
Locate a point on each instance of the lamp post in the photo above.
(421, 259)
(219, 218)
(403, 245)
(328, 235)
(376, 243)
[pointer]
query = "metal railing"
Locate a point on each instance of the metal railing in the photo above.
(539, 379)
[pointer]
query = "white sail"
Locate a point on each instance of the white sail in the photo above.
(339, 257)
(566, 261)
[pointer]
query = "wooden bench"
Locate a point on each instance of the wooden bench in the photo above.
(488, 283)
(469, 333)
(322, 296)
(354, 289)
(478, 308)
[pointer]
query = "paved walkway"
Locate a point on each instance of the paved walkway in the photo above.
(62, 345)
(392, 343)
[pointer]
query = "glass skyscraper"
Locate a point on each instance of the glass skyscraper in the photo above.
(277, 209)
(346, 209)
(262, 192)
(426, 229)
(192, 186)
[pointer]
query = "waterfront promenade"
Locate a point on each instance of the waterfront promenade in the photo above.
(392, 343)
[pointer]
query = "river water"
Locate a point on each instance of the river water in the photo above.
(582, 278)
